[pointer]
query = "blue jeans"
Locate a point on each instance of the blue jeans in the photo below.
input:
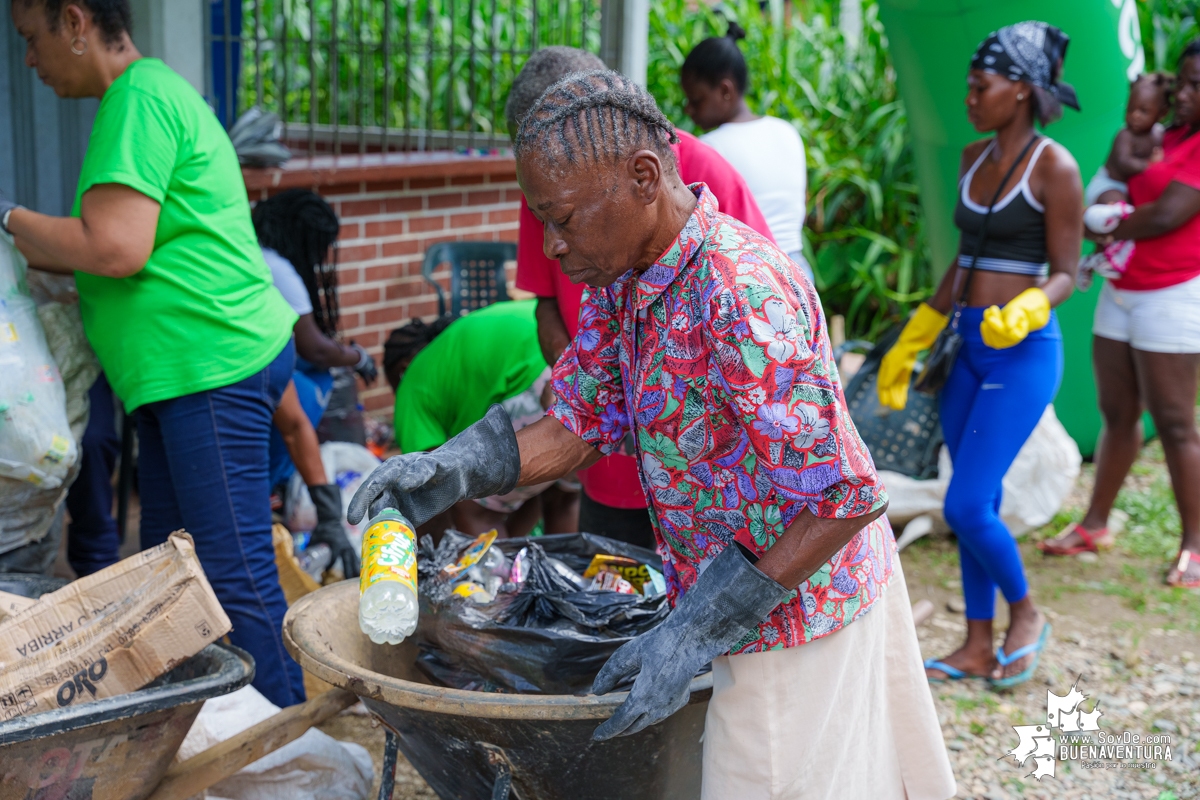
(990, 404)
(313, 387)
(92, 540)
(202, 466)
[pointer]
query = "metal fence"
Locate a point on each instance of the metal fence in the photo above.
(384, 75)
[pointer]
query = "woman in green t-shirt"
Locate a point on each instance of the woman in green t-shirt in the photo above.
(177, 303)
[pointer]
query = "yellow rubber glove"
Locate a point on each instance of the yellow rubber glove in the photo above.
(1005, 327)
(895, 371)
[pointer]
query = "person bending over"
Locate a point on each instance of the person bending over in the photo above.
(612, 503)
(446, 374)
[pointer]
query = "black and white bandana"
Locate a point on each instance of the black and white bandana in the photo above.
(1027, 51)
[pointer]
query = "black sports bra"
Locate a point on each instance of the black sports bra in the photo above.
(1016, 236)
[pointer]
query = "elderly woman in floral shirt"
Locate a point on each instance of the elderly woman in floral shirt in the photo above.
(708, 344)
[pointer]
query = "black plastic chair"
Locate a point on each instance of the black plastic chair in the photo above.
(477, 276)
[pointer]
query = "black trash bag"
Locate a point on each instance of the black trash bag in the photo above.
(549, 637)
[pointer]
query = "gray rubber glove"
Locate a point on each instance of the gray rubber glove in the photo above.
(729, 598)
(482, 460)
(328, 500)
(366, 368)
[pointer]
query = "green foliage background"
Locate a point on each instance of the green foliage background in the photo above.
(450, 64)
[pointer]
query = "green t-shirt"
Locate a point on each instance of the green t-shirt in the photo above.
(483, 358)
(203, 313)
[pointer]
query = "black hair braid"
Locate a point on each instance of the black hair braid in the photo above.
(599, 115)
(301, 227)
(405, 342)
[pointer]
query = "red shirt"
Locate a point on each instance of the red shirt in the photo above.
(1174, 257)
(613, 481)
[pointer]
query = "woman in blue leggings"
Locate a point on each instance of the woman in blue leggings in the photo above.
(1014, 265)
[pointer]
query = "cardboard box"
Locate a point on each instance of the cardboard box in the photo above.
(109, 633)
(13, 604)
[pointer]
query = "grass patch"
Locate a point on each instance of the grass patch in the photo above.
(1153, 529)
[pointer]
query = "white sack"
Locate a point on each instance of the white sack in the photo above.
(1035, 486)
(36, 444)
(347, 465)
(314, 766)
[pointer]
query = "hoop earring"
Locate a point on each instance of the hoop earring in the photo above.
(85, 45)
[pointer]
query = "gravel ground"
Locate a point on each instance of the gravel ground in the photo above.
(1132, 644)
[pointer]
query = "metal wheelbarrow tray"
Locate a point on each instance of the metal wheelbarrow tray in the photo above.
(473, 745)
(120, 747)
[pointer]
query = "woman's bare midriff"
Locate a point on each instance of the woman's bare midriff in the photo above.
(993, 288)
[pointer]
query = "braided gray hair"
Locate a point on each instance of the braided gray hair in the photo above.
(596, 116)
(545, 67)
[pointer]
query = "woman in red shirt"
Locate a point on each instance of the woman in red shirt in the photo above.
(1146, 336)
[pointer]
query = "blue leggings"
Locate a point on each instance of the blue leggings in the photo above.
(989, 406)
(202, 466)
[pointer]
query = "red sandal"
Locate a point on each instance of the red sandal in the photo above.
(1092, 542)
(1175, 577)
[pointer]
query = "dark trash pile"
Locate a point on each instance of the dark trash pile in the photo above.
(538, 615)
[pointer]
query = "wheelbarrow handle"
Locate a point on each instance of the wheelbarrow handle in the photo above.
(218, 762)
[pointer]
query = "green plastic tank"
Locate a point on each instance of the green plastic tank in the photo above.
(931, 43)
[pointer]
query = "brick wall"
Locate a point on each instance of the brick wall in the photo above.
(392, 209)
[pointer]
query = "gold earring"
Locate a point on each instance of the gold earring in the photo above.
(81, 51)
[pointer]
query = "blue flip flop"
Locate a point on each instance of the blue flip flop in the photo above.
(1004, 660)
(952, 673)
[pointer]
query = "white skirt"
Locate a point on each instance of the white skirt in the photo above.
(847, 717)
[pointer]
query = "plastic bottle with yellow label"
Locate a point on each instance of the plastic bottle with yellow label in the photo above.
(387, 585)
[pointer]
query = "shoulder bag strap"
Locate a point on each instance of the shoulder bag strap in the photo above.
(962, 298)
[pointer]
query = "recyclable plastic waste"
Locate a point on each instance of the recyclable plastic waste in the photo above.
(314, 766)
(36, 444)
(518, 615)
(387, 584)
(346, 465)
(256, 138)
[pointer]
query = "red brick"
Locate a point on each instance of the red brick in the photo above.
(445, 200)
(383, 272)
(361, 252)
(350, 230)
(514, 196)
(509, 177)
(368, 339)
(385, 186)
(426, 224)
(488, 198)
(466, 180)
(382, 316)
(402, 248)
(342, 188)
(407, 288)
(359, 208)
(387, 227)
(426, 183)
(350, 320)
(423, 309)
(508, 235)
(466, 220)
(432, 240)
(348, 275)
(503, 216)
(358, 297)
(399, 205)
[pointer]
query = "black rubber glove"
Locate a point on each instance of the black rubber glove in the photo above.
(366, 368)
(328, 500)
(482, 460)
(729, 598)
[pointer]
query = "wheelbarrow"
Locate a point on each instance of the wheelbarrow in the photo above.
(490, 746)
(122, 747)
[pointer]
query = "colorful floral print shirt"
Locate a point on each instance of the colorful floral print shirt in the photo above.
(716, 359)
